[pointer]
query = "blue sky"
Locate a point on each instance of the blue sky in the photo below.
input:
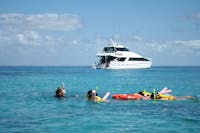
(70, 32)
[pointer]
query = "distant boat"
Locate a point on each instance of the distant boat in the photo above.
(116, 56)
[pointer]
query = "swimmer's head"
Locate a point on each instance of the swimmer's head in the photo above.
(145, 93)
(91, 93)
(60, 92)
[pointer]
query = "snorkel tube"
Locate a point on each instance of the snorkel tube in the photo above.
(153, 95)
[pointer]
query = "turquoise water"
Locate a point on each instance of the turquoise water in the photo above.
(28, 104)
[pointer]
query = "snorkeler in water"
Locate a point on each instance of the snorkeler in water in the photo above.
(93, 96)
(60, 92)
(164, 94)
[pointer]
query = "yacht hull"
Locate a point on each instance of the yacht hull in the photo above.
(128, 65)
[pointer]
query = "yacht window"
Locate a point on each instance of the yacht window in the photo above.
(111, 58)
(108, 49)
(107, 59)
(122, 49)
(121, 59)
(138, 59)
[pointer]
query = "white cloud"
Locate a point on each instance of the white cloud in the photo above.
(30, 38)
(195, 15)
(21, 38)
(137, 38)
(194, 18)
(36, 29)
(147, 47)
(194, 44)
(45, 22)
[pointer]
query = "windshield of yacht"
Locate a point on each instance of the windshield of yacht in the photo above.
(114, 49)
(122, 49)
(109, 49)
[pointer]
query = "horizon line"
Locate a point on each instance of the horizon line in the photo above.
(90, 66)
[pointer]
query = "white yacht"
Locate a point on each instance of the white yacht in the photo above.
(116, 56)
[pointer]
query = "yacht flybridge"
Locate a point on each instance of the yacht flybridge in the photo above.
(116, 56)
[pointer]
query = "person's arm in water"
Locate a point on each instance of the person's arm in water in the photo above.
(185, 97)
(106, 96)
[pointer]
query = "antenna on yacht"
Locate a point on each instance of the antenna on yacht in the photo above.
(113, 42)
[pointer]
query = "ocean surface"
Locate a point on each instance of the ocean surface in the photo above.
(28, 105)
